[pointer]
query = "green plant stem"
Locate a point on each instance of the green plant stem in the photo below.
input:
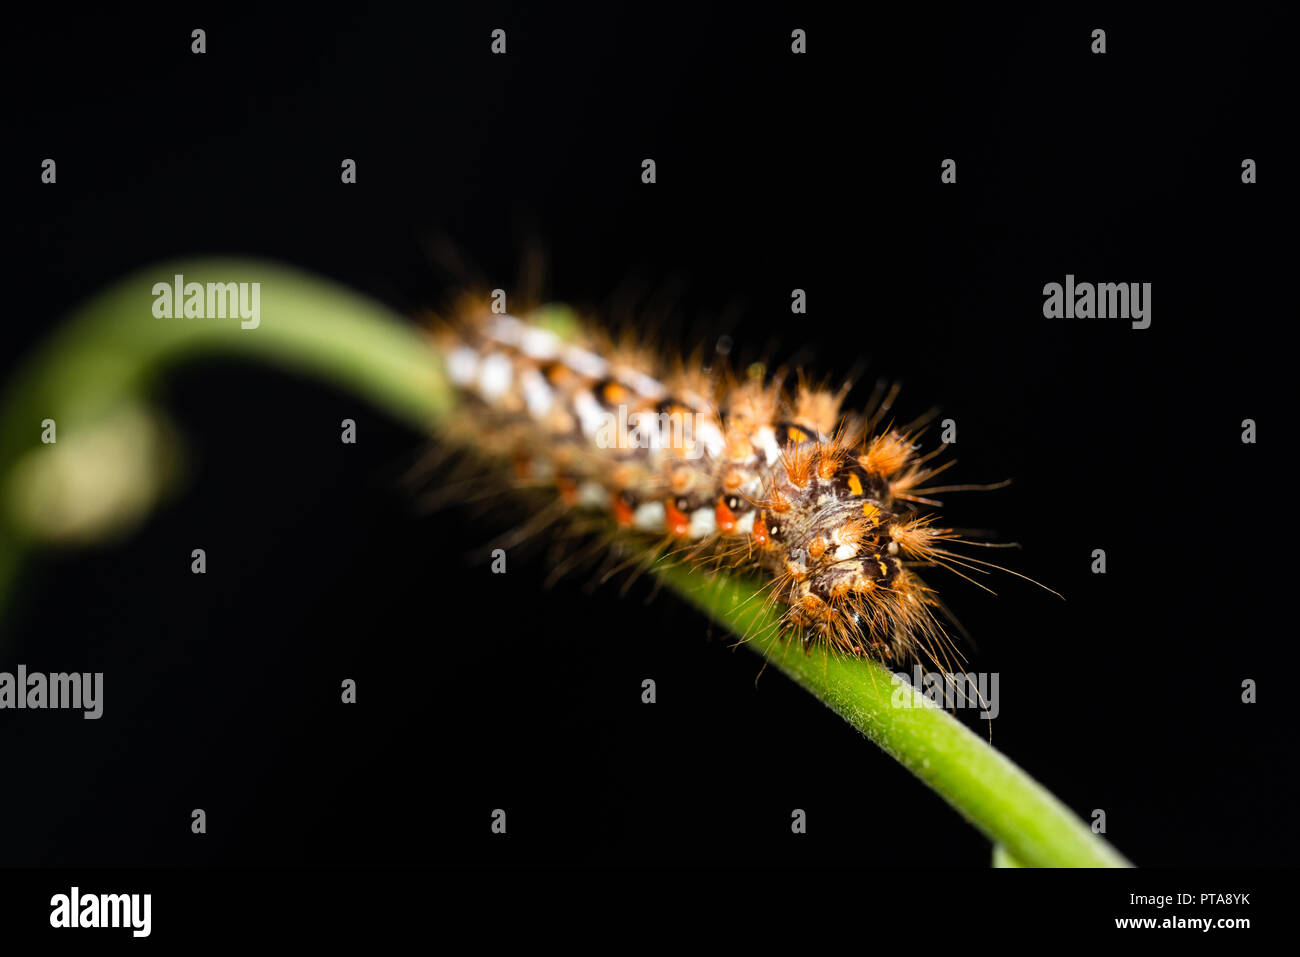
(1002, 857)
(112, 350)
(983, 785)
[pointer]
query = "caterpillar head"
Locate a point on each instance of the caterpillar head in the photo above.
(835, 538)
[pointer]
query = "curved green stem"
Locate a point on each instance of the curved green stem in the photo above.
(111, 351)
(987, 788)
(96, 370)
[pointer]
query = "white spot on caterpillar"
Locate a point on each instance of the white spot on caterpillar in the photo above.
(462, 365)
(584, 362)
(531, 341)
(703, 522)
(844, 553)
(647, 432)
(590, 415)
(593, 495)
(745, 524)
(540, 344)
(765, 439)
(715, 444)
(642, 384)
(649, 517)
(494, 376)
(537, 394)
(506, 330)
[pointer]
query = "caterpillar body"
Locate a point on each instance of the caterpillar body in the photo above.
(717, 469)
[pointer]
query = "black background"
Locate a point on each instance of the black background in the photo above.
(774, 171)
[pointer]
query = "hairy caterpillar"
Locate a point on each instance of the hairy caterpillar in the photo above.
(718, 469)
